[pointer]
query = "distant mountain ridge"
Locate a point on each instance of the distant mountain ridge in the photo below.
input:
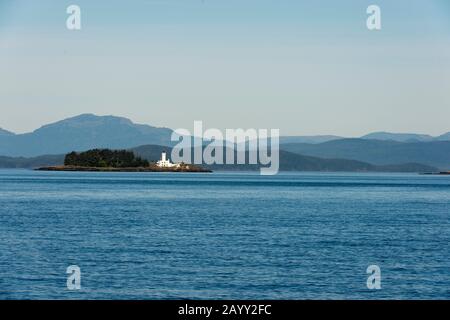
(400, 137)
(83, 132)
(309, 139)
(88, 131)
(444, 137)
(31, 163)
(296, 162)
(4, 132)
(378, 152)
(288, 162)
(383, 136)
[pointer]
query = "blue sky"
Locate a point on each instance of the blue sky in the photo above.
(305, 67)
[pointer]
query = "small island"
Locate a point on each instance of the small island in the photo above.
(105, 160)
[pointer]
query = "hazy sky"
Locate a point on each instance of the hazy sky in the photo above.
(305, 67)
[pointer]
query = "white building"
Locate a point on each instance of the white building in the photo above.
(165, 162)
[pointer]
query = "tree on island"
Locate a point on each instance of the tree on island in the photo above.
(105, 158)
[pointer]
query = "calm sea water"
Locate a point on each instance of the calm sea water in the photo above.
(223, 236)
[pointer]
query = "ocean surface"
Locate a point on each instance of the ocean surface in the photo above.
(223, 235)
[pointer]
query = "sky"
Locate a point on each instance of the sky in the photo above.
(304, 67)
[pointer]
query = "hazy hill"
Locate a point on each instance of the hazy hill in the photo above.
(400, 137)
(28, 163)
(383, 136)
(88, 131)
(81, 133)
(308, 139)
(288, 162)
(5, 133)
(295, 162)
(435, 153)
(444, 137)
(151, 152)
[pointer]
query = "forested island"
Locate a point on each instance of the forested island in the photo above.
(106, 160)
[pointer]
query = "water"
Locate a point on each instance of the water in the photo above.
(223, 235)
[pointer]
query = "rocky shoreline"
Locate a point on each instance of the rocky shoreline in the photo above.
(185, 168)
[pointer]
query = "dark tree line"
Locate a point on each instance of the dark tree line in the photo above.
(101, 158)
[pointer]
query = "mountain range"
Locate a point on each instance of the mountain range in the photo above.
(405, 137)
(378, 152)
(288, 162)
(88, 131)
(308, 139)
(83, 132)
(5, 133)
(383, 136)
(296, 162)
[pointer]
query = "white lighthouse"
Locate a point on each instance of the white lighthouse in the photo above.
(165, 162)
